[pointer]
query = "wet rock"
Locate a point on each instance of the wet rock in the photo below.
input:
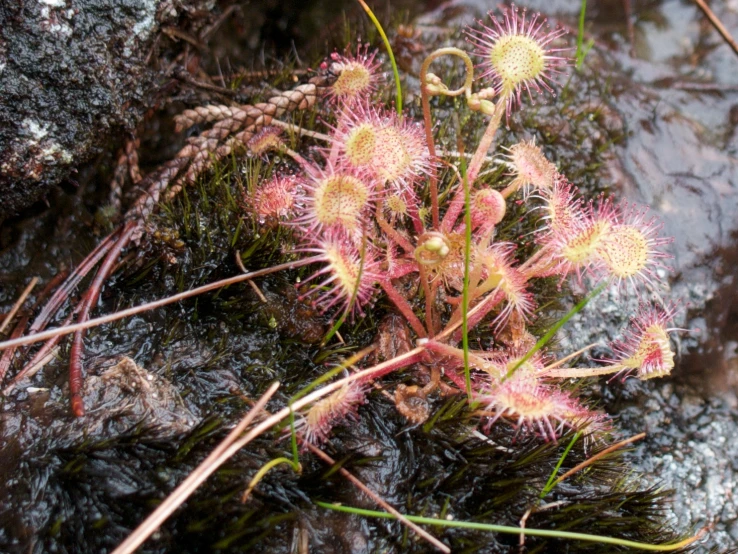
(120, 397)
(124, 396)
(73, 74)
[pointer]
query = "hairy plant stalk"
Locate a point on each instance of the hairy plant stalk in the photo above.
(425, 99)
(404, 306)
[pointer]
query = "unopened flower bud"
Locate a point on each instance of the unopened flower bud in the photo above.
(435, 244)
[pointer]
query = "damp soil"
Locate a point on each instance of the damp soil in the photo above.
(641, 121)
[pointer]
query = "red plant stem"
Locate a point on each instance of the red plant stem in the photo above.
(393, 233)
(437, 317)
(457, 204)
(458, 380)
(76, 379)
(425, 100)
(400, 270)
(429, 297)
(455, 208)
(69, 329)
(394, 364)
(50, 286)
(61, 295)
(489, 135)
(404, 307)
(481, 310)
(453, 352)
(433, 181)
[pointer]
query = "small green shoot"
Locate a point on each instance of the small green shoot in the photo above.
(551, 483)
(296, 467)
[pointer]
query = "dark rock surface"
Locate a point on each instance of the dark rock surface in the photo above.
(73, 74)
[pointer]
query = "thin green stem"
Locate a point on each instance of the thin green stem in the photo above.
(293, 439)
(554, 329)
(467, 262)
(582, 49)
(522, 531)
(551, 483)
(388, 46)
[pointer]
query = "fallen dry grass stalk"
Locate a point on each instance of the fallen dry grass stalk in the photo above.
(193, 481)
(380, 501)
(599, 455)
(232, 444)
(66, 330)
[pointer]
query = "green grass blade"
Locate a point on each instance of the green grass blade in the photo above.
(554, 329)
(395, 71)
(518, 530)
(551, 483)
(582, 49)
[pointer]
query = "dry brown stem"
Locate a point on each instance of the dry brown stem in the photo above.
(380, 501)
(718, 24)
(18, 304)
(66, 330)
(193, 481)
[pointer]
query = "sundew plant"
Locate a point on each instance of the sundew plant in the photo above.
(374, 217)
(382, 218)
